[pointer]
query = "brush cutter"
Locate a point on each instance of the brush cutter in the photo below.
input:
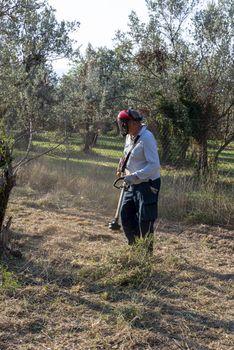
(114, 224)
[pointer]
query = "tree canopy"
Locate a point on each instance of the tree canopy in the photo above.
(176, 69)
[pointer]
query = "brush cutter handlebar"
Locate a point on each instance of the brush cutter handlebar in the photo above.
(116, 183)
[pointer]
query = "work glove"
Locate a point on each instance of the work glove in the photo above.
(131, 179)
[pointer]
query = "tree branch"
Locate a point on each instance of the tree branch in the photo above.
(16, 168)
(222, 147)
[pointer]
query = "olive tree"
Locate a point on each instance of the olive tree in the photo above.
(94, 90)
(30, 36)
(183, 70)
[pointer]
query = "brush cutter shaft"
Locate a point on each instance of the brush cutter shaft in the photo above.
(119, 203)
(114, 224)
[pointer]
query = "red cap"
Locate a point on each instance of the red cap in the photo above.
(124, 115)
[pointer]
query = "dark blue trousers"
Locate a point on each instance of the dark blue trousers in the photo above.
(139, 210)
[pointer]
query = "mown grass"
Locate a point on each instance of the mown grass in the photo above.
(79, 286)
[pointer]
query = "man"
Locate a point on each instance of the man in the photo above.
(142, 176)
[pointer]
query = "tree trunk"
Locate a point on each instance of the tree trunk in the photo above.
(87, 142)
(90, 137)
(183, 146)
(7, 182)
(86, 137)
(203, 157)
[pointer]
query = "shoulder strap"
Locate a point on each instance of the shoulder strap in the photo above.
(128, 155)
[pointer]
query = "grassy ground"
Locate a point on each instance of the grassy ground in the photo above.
(78, 285)
(185, 197)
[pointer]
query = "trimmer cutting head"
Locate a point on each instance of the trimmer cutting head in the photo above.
(114, 225)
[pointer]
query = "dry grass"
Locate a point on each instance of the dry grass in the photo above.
(80, 287)
(183, 197)
(186, 198)
(57, 182)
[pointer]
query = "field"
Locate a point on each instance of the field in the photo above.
(79, 286)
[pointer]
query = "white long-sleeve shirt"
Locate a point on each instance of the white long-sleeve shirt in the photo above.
(144, 160)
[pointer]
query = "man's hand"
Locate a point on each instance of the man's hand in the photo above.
(131, 179)
(118, 171)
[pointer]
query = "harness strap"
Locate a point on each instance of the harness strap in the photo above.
(128, 155)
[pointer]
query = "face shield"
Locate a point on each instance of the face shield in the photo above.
(123, 126)
(123, 122)
(124, 117)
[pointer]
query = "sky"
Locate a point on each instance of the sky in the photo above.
(99, 20)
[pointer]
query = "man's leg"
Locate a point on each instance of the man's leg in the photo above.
(148, 210)
(129, 218)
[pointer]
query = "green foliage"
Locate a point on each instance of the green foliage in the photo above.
(186, 78)
(8, 281)
(96, 80)
(6, 142)
(189, 113)
(30, 37)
